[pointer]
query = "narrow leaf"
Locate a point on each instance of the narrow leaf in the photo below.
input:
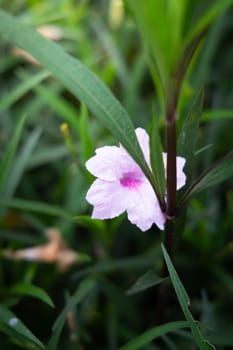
(79, 80)
(117, 265)
(153, 333)
(218, 114)
(37, 207)
(20, 163)
(26, 289)
(47, 154)
(22, 89)
(212, 12)
(189, 131)
(183, 298)
(13, 327)
(148, 280)
(10, 152)
(151, 21)
(215, 174)
(84, 288)
(62, 107)
(85, 137)
(156, 156)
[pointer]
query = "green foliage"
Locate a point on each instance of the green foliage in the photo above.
(156, 156)
(85, 287)
(79, 80)
(20, 163)
(149, 279)
(215, 174)
(152, 334)
(98, 304)
(161, 25)
(189, 134)
(184, 303)
(22, 89)
(10, 152)
(217, 115)
(27, 289)
(12, 326)
(214, 10)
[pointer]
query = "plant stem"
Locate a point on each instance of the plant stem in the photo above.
(171, 199)
(171, 171)
(169, 242)
(171, 211)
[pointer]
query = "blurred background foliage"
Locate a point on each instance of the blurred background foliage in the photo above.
(49, 135)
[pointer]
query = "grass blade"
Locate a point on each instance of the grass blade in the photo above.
(157, 163)
(84, 288)
(183, 298)
(188, 133)
(36, 207)
(22, 89)
(210, 15)
(153, 333)
(10, 152)
(148, 280)
(12, 326)
(216, 173)
(79, 80)
(218, 114)
(20, 163)
(26, 289)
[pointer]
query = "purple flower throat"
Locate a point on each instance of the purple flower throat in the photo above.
(130, 180)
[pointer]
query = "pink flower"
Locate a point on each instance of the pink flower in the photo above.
(122, 186)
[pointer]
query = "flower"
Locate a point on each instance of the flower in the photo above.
(122, 186)
(54, 251)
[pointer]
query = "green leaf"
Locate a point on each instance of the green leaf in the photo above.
(202, 72)
(47, 154)
(52, 210)
(79, 80)
(215, 174)
(20, 163)
(10, 152)
(183, 298)
(219, 172)
(148, 280)
(85, 137)
(63, 108)
(27, 289)
(212, 12)
(161, 25)
(94, 225)
(157, 164)
(218, 114)
(188, 133)
(151, 21)
(23, 238)
(153, 333)
(37, 207)
(22, 89)
(131, 263)
(83, 289)
(14, 328)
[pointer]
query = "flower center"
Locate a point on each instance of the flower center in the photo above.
(130, 180)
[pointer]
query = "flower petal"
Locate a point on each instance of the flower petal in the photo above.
(180, 175)
(110, 163)
(144, 142)
(143, 208)
(106, 163)
(107, 198)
